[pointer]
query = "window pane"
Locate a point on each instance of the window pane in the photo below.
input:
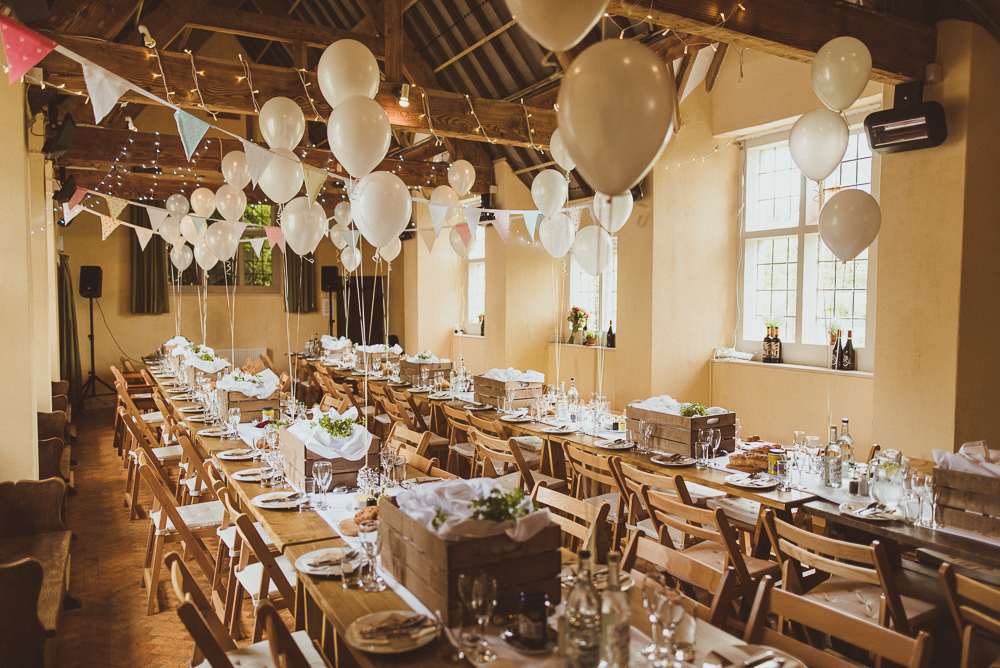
(778, 189)
(257, 271)
(842, 294)
(478, 251)
(777, 273)
(477, 290)
(585, 292)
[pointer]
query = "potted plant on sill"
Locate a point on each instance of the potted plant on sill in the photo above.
(578, 320)
(590, 338)
(832, 329)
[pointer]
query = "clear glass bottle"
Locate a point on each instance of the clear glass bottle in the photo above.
(583, 619)
(562, 405)
(573, 399)
(833, 466)
(846, 444)
(615, 613)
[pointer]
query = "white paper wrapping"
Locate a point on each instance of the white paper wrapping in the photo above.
(511, 374)
(430, 359)
(179, 340)
(318, 440)
(214, 365)
(381, 348)
(667, 404)
(330, 343)
(974, 457)
(259, 386)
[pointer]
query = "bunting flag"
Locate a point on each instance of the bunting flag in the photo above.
(77, 197)
(258, 244)
(429, 236)
(240, 228)
(24, 48)
(314, 178)
(257, 160)
(472, 220)
(104, 88)
(156, 217)
(69, 213)
(115, 205)
(352, 237)
(532, 219)
(177, 240)
(593, 214)
(463, 232)
(275, 237)
(502, 224)
(191, 129)
(144, 235)
(438, 214)
(108, 225)
(198, 223)
(574, 217)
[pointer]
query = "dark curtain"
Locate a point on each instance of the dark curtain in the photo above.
(69, 345)
(148, 280)
(300, 282)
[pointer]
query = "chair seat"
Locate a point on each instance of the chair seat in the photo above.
(862, 600)
(165, 453)
(612, 500)
(437, 441)
(464, 449)
(155, 416)
(531, 443)
(193, 487)
(384, 419)
(258, 655)
(228, 537)
(742, 511)
(715, 556)
(510, 481)
(196, 516)
(250, 578)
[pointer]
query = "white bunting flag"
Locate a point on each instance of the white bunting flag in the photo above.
(258, 244)
(240, 228)
(472, 220)
(115, 205)
(438, 214)
(156, 217)
(314, 178)
(143, 235)
(104, 88)
(257, 160)
(429, 237)
(502, 224)
(69, 213)
(532, 219)
(351, 237)
(191, 129)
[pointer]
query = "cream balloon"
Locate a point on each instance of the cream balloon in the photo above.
(616, 106)
(818, 142)
(191, 233)
(177, 205)
(384, 208)
(235, 169)
(337, 237)
(840, 71)
(342, 213)
(303, 225)
(222, 240)
(203, 202)
(592, 249)
(458, 245)
(282, 123)
(350, 257)
(849, 223)
(204, 256)
(461, 176)
(359, 134)
(559, 153)
(556, 234)
(557, 24)
(181, 255)
(231, 203)
(391, 252)
(549, 191)
(282, 179)
(446, 196)
(347, 67)
(613, 212)
(170, 227)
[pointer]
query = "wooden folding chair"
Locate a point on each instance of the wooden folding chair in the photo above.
(530, 446)
(268, 363)
(975, 607)
(400, 436)
(584, 525)
(592, 482)
(507, 453)
(193, 483)
(161, 456)
(789, 608)
(459, 448)
(22, 634)
(365, 410)
(269, 578)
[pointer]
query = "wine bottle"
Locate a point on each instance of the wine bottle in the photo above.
(610, 342)
(833, 464)
(766, 358)
(615, 613)
(583, 619)
(846, 443)
(847, 362)
(837, 353)
(776, 357)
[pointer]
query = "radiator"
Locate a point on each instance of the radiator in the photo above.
(239, 355)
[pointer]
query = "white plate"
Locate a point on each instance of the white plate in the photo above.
(440, 396)
(238, 455)
(476, 407)
(419, 390)
(163, 375)
(191, 409)
(200, 419)
(214, 432)
(517, 419)
(176, 390)
(662, 460)
(248, 475)
(853, 508)
(608, 444)
(558, 430)
(277, 501)
(397, 645)
(743, 481)
(304, 563)
(184, 397)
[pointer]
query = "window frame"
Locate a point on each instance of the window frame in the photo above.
(606, 293)
(472, 320)
(799, 352)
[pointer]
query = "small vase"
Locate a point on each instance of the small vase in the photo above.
(591, 341)
(572, 338)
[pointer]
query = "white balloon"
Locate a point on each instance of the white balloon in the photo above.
(303, 225)
(818, 143)
(203, 202)
(613, 212)
(840, 72)
(191, 233)
(849, 223)
(236, 170)
(231, 203)
(383, 209)
(559, 153)
(337, 237)
(616, 106)
(556, 235)
(458, 245)
(222, 240)
(177, 205)
(446, 196)
(391, 252)
(461, 176)
(182, 256)
(347, 68)
(350, 257)
(342, 213)
(557, 24)
(359, 134)
(282, 123)
(170, 227)
(549, 191)
(592, 248)
(204, 256)
(282, 179)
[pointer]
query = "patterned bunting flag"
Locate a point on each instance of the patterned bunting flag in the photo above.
(438, 214)
(574, 217)
(108, 225)
(257, 160)
(502, 224)
(144, 235)
(156, 217)
(472, 220)
(191, 129)
(275, 237)
(314, 178)
(24, 48)
(257, 244)
(115, 205)
(463, 232)
(104, 88)
(429, 236)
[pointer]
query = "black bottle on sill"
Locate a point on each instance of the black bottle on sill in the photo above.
(776, 356)
(838, 353)
(610, 341)
(848, 358)
(482, 325)
(766, 357)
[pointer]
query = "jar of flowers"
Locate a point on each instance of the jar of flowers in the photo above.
(578, 319)
(590, 338)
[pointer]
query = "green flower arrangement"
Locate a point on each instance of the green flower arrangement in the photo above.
(693, 410)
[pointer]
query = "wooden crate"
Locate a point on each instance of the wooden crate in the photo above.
(429, 566)
(369, 358)
(491, 392)
(299, 461)
(410, 372)
(676, 434)
(968, 501)
(250, 409)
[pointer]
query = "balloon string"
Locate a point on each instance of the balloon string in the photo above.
(293, 367)
(360, 276)
(385, 299)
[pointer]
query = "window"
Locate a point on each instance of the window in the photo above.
(598, 295)
(788, 273)
(476, 285)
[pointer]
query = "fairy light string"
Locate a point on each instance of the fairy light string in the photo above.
(305, 87)
(197, 89)
(249, 79)
(480, 128)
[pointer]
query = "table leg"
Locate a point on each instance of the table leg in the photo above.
(553, 461)
(761, 541)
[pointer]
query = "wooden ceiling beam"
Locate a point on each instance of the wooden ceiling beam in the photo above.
(715, 66)
(393, 40)
(103, 19)
(797, 29)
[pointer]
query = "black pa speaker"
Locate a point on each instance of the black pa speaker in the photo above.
(329, 279)
(91, 280)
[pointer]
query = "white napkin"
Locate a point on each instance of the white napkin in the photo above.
(318, 440)
(381, 348)
(330, 343)
(190, 353)
(511, 374)
(259, 386)
(178, 341)
(667, 404)
(974, 457)
(214, 365)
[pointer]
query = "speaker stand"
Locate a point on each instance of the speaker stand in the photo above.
(91, 385)
(329, 297)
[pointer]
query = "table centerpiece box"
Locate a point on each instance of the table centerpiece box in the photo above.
(410, 372)
(678, 434)
(369, 358)
(250, 409)
(429, 565)
(299, 461)
(967, 501)
(492, 392)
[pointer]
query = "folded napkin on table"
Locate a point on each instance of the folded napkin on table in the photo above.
(381, 348)
(430, 359)
(974, 457)
(667, 404)
(330, 343)
(259, 386)
(511, 374)
(319, 440)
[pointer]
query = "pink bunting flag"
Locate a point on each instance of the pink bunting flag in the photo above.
(463, 232)
(23, 47)
(144, 235)
(115, 205)
(108, 225)
(275, 237)
(77, 197)
(502, 224)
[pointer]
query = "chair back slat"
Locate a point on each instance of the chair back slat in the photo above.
(972, 603)
(508, 451)
(22, 634)
(251, 537)
(584, 522)
(401, 436)
(591, 473)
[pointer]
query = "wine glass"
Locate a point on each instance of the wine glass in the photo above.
(465, 586)
(368, 534)
(652, 601)
(739, 430)
(813, 447)
(802, 464)
(234, 421)
(483, 600)
(716, 442)
(671, 613)
(323, 474)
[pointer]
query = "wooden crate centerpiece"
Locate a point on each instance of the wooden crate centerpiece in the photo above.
(250, 409)
(370, 358)
(677, 434)
(429, 566)
(967, 501)
(299, 461)
(492, 392)
(412, 372)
